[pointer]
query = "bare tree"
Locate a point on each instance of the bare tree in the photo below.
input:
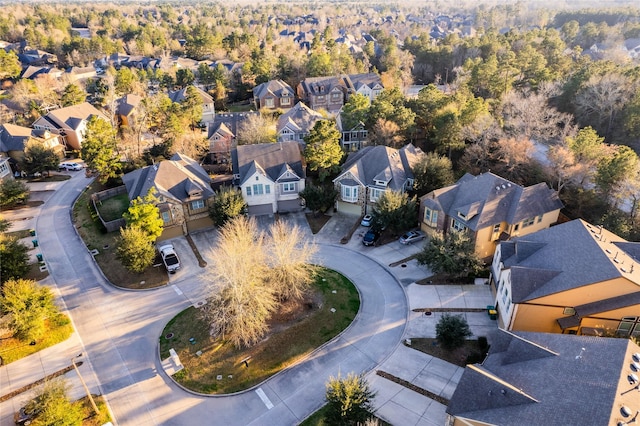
(601, 98)
(529, 114)
(564, 167)
(257, 128)
(241, 303)
(387, 133)
(291, 273)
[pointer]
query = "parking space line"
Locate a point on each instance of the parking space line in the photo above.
(177, 290)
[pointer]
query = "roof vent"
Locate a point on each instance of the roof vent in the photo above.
(503, 186)
(625, 411)
(503, 392)
(636, 357)
(635, 366)
(623, 270)
(633, 379)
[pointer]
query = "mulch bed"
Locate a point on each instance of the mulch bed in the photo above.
(413, 387)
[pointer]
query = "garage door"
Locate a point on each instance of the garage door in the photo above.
(349, 208)
(204, 222)
(260, 209)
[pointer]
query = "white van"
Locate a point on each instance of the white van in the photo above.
(69, 165)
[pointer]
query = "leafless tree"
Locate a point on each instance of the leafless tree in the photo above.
(241, 303)
(564, 167)
(257, 128)
(601, 98)
(529, 114)
(387, 133)
(290, 272)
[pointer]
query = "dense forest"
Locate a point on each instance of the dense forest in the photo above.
(528, 91)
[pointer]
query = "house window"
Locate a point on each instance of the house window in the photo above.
(285, 101)
(248, 190)
(268, 102)
(289, 187)
(349, 193)
(496, 228)
(569, 311)
(335, 97)
(4, 168)
(166, 217)
(197, 204)
(457, 226)
(258, 189)
(539, 218)
(431, 217)
(267, 189)
(528, 222)
(629, 327)
(376, 193)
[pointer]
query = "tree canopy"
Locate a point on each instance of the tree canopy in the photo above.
(227, 204)
(453, 254)
(144, 214)
(349, 400)
(98, 149)
(322, 151)
(29, 305)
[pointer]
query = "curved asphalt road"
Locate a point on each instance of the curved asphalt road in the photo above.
(120, 330)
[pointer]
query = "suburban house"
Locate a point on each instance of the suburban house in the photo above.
(330, 93)
(69, 122)
(80, 73)
(491, 209)
(14, 139)
(352, 138)
(549, 379)
(208, 110)
(183, 189)
(369, 172)
(126, 109)
(221, 142)
(296, 123)
(5, 168)
(274, 94)
(270, 176)
(573, 278)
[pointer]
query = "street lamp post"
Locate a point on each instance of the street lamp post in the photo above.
(86, 389)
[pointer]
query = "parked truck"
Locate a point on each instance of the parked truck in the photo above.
(169, 258)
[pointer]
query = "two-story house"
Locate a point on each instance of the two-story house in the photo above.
(126, 109)
(274, 94)
(574, 278)
(69, 123)
(296, 123)
(549, 379)
(353, 136)
(331, 93)
(270, 176)
(5, 168)
(369, 172)
(14, 139)
(491, 209)
(184, 193)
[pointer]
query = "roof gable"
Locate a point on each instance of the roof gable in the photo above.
(270, 158)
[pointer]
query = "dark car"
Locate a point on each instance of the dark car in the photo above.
(371, 238)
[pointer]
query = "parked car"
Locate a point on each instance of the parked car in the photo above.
(367, 220)
(371, 237)
(169, 258)
(26, 414)
(69, 165)
(412, 236)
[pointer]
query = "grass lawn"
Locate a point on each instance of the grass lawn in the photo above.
(58, 330)
(297, 337)
(94, 236)
(113, 208)
(90, 417)
(470, 353)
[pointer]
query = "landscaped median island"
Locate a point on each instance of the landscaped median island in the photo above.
(215, 366)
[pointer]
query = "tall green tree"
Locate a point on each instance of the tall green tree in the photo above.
(72, 95)
(349, 400)
(125, 80)
(9, 65)
(614, 169)
(322, 151)
(227, 204)
(390, 105)
(136, 250)
(29, 305)
(184, 77)
(15, 258)
(395, 211)
(98, 149)
(355, 111)
(38, 158)
(453, 254)
(431, 172)
(13, 192)
(143, 213)
(319, 198)
(191, 107)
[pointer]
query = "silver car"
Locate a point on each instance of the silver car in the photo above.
(412, 236)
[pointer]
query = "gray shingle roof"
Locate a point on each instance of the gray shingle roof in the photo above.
(179, 178)
(13, 138)
(128, 103)
(73, 115)
(300, 117)
(382, 163)
(180, 95)
(275, 87)
(488, 199)
(566, 256)
(269, 158)
(550, 379)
